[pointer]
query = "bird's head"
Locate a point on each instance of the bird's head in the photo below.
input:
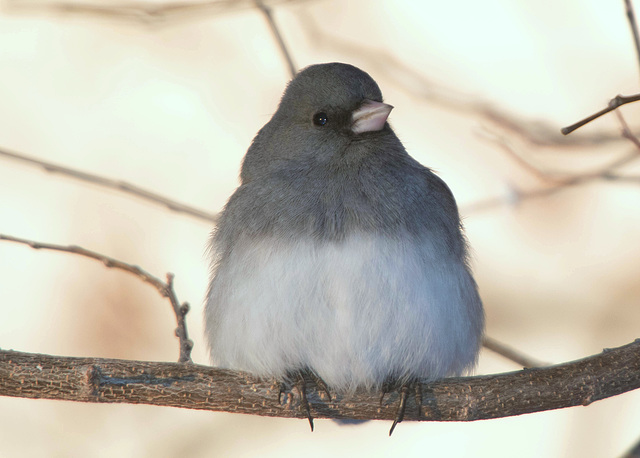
(324, 110)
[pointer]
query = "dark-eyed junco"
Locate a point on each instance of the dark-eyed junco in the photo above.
(340, 254)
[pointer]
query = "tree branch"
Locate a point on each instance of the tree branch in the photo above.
(603, 173)
(118, 185)
(509, 353)
(165, 289)
(275, 31)
(631, 17)
(614, 103)
(618, 100)
(140, 11)
(581, 382)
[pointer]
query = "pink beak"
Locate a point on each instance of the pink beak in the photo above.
(370, 116)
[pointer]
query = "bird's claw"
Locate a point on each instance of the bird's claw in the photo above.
(321, 385)
(299, 382)
(403, 391)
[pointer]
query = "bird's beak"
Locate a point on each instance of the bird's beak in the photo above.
(370, 116)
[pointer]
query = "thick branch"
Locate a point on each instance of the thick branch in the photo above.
(580, 382)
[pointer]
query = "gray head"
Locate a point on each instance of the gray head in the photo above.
(323, 110)
(328, 164)
(334, 88)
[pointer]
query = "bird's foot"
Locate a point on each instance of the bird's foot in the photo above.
(299, 380)
(403, 389)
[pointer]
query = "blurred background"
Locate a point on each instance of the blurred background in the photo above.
(168, 96)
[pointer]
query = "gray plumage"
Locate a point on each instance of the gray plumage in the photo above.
(339, 252)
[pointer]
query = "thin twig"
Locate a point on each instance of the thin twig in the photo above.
(634, 26)
(165, 289)
(626, 132)
(507, 147)
(146, 12)
(616, 102)
(514, 355)
(275, 31)
(180, 311)
(118, 185)
(604, 173)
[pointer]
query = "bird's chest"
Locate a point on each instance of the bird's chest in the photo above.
(352, 310)
(307, 282)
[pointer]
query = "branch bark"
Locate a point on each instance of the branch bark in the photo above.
(581, 382)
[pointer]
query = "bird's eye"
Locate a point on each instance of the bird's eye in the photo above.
(320, 119)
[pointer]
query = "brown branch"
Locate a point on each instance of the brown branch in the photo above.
(581, 382)
(145, 12)
(626, 132)
(618, 100)
(505, 145)
(634, 26)
(111, 184)
(614, 103)
(275, 31)
(511, 354)
(603, 173)
(165, 289)
(180, 311)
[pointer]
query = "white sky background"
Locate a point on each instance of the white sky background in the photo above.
(172, 106)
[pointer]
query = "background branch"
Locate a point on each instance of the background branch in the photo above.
(631, 17)
(118, 185)
(510, 353)
(165, 289)
(518, 196)
(146, 12)
(277, 35)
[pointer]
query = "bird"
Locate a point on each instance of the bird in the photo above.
(339, 254)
